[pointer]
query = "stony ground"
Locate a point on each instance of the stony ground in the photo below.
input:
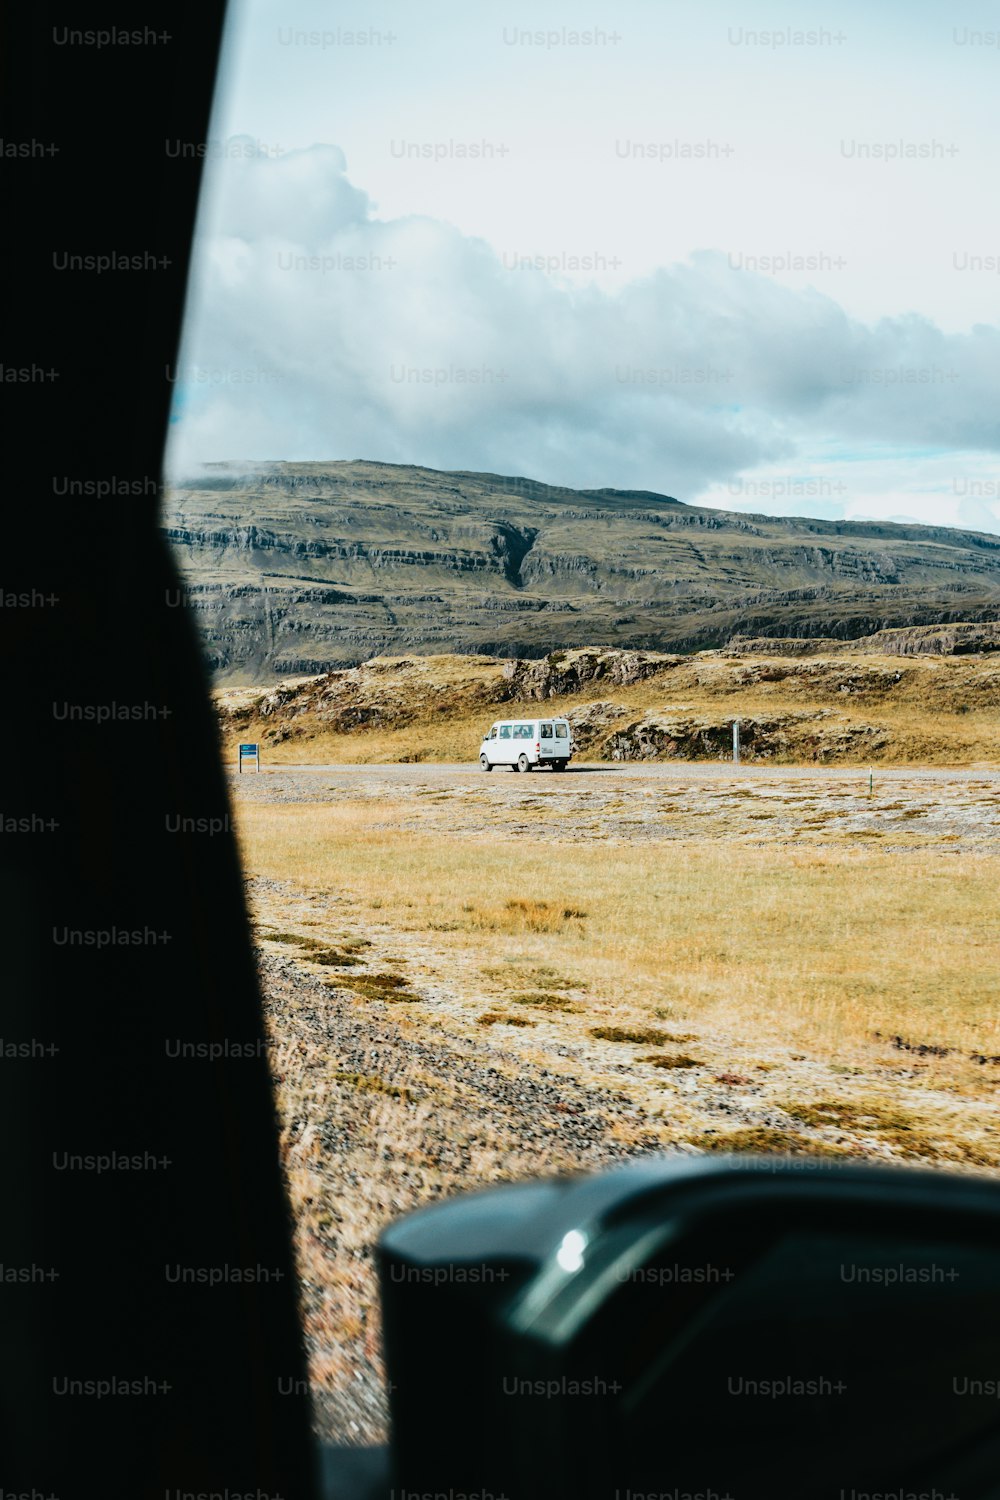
(399, 1081)
(407, 1118)
(904, 808)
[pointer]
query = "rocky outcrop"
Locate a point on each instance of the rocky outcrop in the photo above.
(936, 640)
(564, 672)
(818, 678)
(956, 639)
(590, 723)
(820, 736)
(784, 645)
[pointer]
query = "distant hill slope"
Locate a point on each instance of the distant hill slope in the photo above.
(302, 567)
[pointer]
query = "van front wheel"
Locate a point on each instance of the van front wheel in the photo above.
(485, 763)
(523, 763)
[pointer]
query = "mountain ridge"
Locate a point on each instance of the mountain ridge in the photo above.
(301, 567)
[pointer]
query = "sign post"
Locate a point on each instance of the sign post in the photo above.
(736, 742)
(250, 752)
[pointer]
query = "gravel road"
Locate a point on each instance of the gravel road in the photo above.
(433, 773)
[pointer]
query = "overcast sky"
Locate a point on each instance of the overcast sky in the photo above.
(743, 255)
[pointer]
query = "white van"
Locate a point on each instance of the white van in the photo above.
(527, 742)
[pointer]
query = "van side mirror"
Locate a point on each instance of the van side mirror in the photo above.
(743, 1327)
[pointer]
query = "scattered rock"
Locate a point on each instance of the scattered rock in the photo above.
(564, 672)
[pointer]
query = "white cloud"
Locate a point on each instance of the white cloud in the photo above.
(317, 330)
(956, 488)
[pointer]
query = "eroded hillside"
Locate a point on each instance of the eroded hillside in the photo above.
(298, 568)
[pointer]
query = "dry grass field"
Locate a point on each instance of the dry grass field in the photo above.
(470, 978)
(819, 937)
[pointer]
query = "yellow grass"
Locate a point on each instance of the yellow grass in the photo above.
(823, 945)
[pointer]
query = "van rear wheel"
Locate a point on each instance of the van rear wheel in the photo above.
(523, 764)
(486, 764)
(559, 765)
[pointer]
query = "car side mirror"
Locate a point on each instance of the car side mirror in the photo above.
(750, 1327)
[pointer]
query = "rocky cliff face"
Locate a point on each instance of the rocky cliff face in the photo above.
(300, 568)
(917, 640)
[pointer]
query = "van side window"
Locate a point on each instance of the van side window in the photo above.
(505, 731)
(522, 731)
(546, 733)
(493, 732)
(562, 731)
